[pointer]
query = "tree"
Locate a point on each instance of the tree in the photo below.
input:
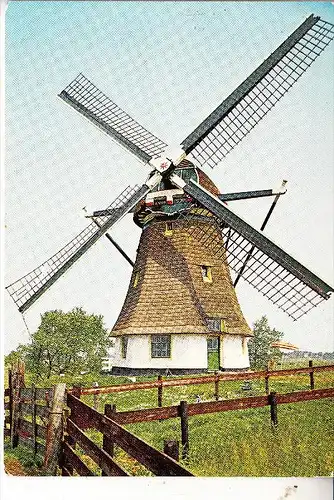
(18, 355)
(68, 343)
(259, 347)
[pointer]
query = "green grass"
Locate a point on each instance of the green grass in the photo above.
(235, 443)
(242, 443)
(30, 464)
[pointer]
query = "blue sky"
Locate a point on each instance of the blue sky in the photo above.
(167, 64)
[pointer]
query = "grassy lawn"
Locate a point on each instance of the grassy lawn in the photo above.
(235, 443)
(241, 443)
(21, 461)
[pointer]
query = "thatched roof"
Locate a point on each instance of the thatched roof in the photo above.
(170, 295)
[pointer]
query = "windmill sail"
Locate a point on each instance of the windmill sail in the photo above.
(269, 269)
(91, 103)
(240, 112)
(28, 289)
(272, 271)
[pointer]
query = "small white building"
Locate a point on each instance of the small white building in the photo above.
(179, 354)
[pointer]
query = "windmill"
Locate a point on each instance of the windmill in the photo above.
(181, 302)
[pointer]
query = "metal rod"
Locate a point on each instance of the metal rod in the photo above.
(121, 251)
(261, 229)
(116, 245)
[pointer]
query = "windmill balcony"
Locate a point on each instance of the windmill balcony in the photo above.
(166, 195)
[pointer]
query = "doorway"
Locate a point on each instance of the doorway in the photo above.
(213, 349)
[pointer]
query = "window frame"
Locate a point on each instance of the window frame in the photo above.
(207, 277)
(210, 340)
(214, 324)
(135, 279)
(155, 345)
(169, 228)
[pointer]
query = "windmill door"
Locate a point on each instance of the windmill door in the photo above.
(213, 353)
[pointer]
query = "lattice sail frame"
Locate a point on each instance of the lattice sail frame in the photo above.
(258, 94)
(287, 291)
(28, 288)
(94, 105)
(209, 143)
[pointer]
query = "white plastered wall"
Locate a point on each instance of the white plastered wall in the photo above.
(233, 354)
(187, 351)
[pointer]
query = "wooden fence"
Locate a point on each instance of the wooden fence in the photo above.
(30, 417)
(167, 412)
(185, 410)
(50, 431)
(52, 422)
(83, 417)
(161, 383)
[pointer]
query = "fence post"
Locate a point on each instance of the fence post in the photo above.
(33, 417)
(266, 380)
(10, 386)
(160, 389)
(171, 448)
(184, 429)
(216, 386)
(54, 432)
(108, 444)
(14, 425)
(273, 409)
(76, 391)
(95, 397)
(66, 467)
(16, 382)
(310, 364)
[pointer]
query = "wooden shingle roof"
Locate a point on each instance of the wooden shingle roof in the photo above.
(170, 295)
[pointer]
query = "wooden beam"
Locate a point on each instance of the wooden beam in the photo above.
(273, 409)
(205, 379)
(157, 462)
(54, 430)
(310, 364)
(107, 443)
(160, 389)
(100, 457)
(184, 429)
(75, 461)
(171, 448)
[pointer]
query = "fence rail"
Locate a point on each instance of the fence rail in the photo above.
(217, 377)
(167, 412)
(59, 440)
(83, 416)
(86, 418)
(30, 402)
(100, 456)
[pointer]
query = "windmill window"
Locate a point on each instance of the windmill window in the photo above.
(213, 343)
(214, 324)
(124, 346)
(135, 279)
(169, 228)
(206, 274)
(160, 346)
